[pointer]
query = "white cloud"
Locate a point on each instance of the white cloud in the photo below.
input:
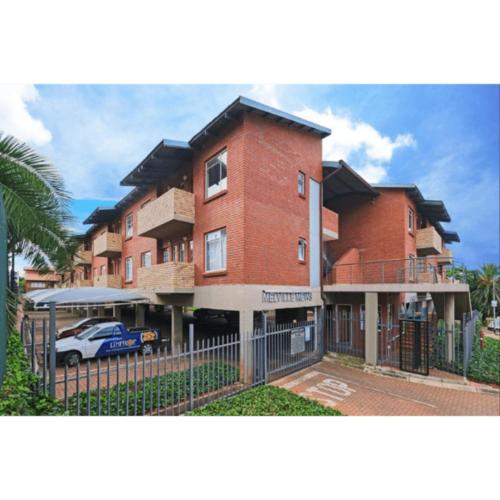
(16, 120)
(266, 94)
(373, 150)
(372, 173)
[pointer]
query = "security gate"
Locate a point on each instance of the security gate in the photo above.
(414, 346)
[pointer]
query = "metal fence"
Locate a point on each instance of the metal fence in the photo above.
(451, 346)
(344, 332)
(162, 382)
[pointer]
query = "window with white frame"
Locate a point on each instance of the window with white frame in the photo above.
(146, 259)
(215, 250)
(302, 184)
(302, 249)
(216, 174)
(129, 226)
(38, 284)
(411, 220)
(129, 269)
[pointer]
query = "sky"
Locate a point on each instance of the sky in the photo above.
(443, 138)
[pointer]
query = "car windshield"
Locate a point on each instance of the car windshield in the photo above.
(87, 333)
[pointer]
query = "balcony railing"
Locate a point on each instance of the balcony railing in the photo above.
(83, 257)
(167, 276)
(171, 214)
(108, 281)
(428, 241)
(419, 270)
(108, 245)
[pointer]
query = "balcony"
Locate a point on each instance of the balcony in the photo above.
(446, 257)
(108, 245)
(428, 241)
(170, 215)
(169, 277)
(80, 283)
(108, 281)
(83, 258)
(406, 271)
(330, 225)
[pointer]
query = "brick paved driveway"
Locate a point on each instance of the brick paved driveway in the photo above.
(355, 392)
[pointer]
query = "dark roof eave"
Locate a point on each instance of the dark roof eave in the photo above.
(245, 104)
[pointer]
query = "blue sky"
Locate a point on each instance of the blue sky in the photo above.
(444, 138)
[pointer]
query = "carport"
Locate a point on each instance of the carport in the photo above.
(83, 297)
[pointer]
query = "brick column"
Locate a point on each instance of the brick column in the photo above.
(371, 310)
(176, 329)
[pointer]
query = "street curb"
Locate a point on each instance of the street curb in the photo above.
(432, 381)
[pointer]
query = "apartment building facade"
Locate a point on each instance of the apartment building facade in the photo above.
(36, 280)
(247, 217)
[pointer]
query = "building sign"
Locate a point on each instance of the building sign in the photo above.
(297, 344)
(286, 296)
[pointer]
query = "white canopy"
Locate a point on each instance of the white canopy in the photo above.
(84, 296)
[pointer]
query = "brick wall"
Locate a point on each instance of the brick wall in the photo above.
(262, 211)
(377, 228)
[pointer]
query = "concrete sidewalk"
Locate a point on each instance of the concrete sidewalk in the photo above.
(355, 392)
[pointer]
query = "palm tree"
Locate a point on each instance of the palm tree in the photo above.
(36, 206)
(487, 278)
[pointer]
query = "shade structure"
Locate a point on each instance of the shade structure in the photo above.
(84, 296)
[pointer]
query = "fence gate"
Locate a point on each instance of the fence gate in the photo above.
(414, 346)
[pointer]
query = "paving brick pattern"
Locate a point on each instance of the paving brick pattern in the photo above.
(355, 392)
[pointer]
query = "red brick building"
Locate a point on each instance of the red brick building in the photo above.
(35, 280)
(247, 217)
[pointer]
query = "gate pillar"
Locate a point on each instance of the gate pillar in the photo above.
(371, 334)
(449, 319)
(176, 330)
(246, 347)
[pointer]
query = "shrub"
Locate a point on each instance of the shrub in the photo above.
(20, 393)
(484, 365)
(266, 400)
(173, 388)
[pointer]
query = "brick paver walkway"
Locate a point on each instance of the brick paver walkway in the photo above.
(355, 392)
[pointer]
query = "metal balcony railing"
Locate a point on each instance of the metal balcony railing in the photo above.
(399, 271)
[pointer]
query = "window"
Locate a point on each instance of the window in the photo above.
(362, 317)
(104, 333)
(146, 259)
(129, 269)
(215, 250)
(411, 220)
(37, 284)
(181, 252)
(191, 250)
(302, 184)
(166, 255)
(129, 226)
(103, 270)
(216, 174)
(302, 249)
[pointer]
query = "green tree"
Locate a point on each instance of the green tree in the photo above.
(482, 294)
(37, 209)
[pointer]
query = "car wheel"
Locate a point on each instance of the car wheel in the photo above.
(72, 358)
(147, 349)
